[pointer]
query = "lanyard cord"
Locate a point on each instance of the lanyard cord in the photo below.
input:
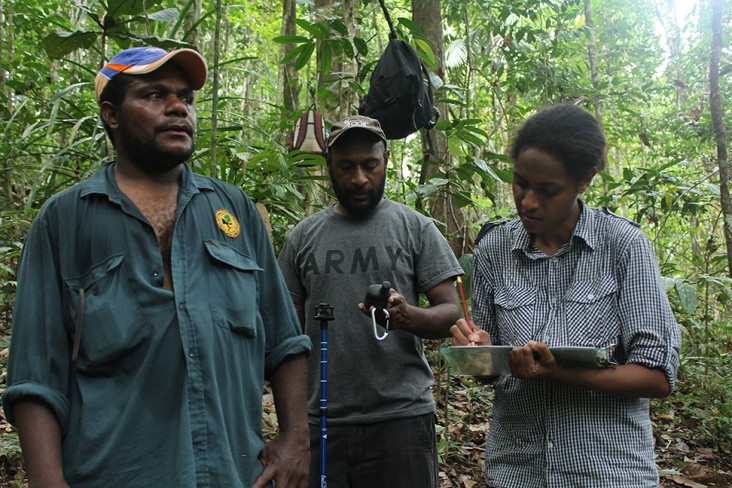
(373, 320)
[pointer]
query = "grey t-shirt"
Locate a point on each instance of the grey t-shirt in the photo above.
(331, 258)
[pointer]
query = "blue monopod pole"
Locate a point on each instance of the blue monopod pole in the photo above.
(323, 313)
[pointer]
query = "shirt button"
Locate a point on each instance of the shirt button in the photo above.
(156, 274)
(591, 296)
(191, 355)
(549, 445)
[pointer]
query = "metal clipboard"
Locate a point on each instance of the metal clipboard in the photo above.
(493, 360)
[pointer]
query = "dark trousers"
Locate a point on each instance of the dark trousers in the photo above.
(399, 453)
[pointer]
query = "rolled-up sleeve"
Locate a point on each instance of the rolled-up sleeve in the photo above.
(284, 334)
(39, 361)
(650, 333)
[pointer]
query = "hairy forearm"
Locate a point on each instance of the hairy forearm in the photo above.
(40, 439)
(289, 388)
(433, 322)
(629, 380)
(286, 456)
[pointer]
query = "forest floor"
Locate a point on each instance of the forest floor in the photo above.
(683, 458)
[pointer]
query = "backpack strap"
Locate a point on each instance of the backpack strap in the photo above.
(609, 212)
(430, 145)
(429, 89)
(487, 227)
(433, 122)
(297, 136)
(392, 31)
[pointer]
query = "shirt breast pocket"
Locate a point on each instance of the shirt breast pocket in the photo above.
(112, 321)
(515, 310)
(591, 313)
(233, 288)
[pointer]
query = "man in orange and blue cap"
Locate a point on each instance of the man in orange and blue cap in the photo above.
(150, 309)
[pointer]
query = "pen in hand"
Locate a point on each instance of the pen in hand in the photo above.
(465, 307)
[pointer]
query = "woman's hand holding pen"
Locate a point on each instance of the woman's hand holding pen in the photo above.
(466, 333)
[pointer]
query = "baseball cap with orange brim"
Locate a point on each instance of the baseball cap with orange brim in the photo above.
(144, 60)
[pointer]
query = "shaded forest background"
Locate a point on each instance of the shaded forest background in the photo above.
(656, 73)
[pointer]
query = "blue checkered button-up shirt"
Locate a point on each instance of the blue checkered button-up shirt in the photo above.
(602, 288)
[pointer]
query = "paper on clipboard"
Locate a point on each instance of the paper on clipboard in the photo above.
(493, 360)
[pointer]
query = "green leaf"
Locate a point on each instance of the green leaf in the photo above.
(426, 190)
(483, 165)
(687, 296)
(115, 8)
(506, 175)
(438, 181)
(291, 39)
(59, 45)
(339, 26)
(409, 24)
(304, 55)
(443, 125)
(462, 200)
(326, 56)
(466, 262)
(361, 46)
(454, 145)
(165, 43)
(628, 174)
(167, 15)
(476, 141)
(318, 30)
(456, 54)
(297, 52)
(425, 53)
(346, 46)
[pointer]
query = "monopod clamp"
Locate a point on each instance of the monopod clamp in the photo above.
(323, 314)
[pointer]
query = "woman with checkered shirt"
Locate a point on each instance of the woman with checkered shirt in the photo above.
(565, 274)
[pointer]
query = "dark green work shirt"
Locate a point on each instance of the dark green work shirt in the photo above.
(167, 387)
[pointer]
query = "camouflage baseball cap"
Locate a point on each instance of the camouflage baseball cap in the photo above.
(355, 122)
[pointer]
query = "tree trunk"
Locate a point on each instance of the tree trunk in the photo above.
(289, 85)
(6, 55)
(428, 17)
(193, 15)
(715, 106)
(597, 98)
(594, 66)
(3, 76)
(335, 99)
(215, 90)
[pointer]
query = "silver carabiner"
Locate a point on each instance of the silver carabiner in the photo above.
(373, 320)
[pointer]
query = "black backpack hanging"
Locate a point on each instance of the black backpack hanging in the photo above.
(400, 93)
